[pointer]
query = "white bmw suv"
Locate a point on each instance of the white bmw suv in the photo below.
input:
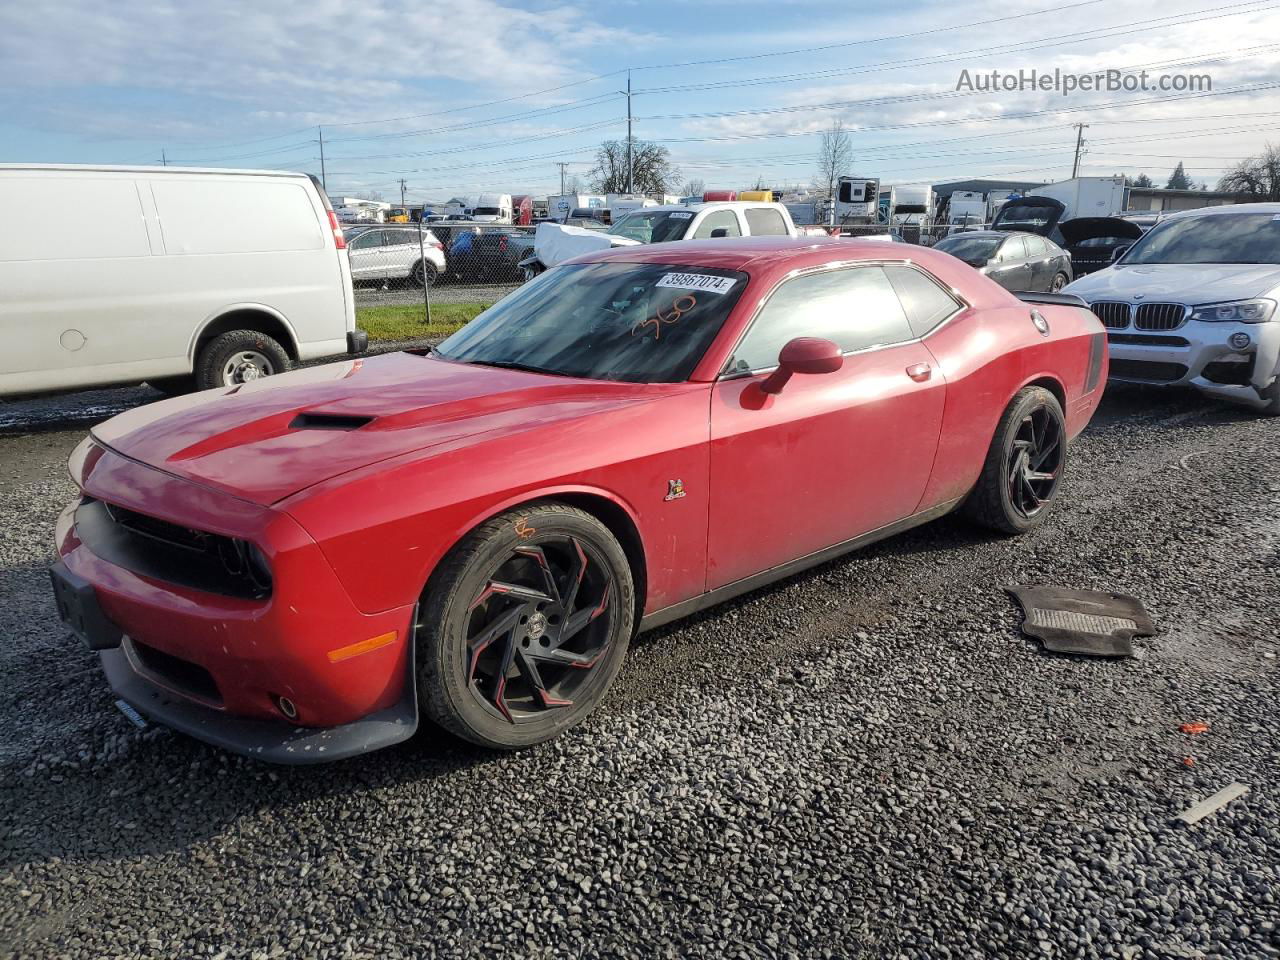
(1194, 302)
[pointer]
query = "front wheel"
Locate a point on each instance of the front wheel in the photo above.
(1024, 465)
(423, 275)
(524, 627)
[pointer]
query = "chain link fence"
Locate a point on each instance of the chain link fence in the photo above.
(456, 261)
(462, 262)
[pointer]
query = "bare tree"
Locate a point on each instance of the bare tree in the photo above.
(373, 195)
(835, 154)
(573, 184)
(694, 188)
(651, 168)
(1257, 177)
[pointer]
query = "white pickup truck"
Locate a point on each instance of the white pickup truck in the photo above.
(555, 243)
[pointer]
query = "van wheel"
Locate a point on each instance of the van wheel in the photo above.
(423, 274)
(239, 356)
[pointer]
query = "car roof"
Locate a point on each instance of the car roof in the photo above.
(1225, 208)
(1001, 234)
(706, 205)
(734, 253)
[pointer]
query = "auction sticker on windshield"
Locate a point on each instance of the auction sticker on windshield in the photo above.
(697, 281)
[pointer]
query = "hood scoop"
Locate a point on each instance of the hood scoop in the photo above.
(328, 421)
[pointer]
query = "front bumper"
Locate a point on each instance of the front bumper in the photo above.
(216, 665)
(1198, 354)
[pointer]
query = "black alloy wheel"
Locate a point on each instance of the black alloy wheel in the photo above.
(1035, 465)
(524, 625)
(538, 628)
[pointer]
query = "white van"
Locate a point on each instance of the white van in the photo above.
(183, 278)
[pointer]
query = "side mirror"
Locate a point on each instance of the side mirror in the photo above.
(1119, 252)
(803, 355)
(719, 232)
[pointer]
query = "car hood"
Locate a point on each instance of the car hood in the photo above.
(555, 243)
(268, 440)
(1178, 282)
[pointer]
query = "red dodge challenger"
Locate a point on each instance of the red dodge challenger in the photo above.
(301, 567)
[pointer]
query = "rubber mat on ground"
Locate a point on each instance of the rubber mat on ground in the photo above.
(1086, 622)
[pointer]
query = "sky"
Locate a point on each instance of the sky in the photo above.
(491, 95)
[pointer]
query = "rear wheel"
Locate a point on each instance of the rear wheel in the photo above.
(1024, 466)
(424, 274)
(524, 627)
(239, 356)
(1059, 281)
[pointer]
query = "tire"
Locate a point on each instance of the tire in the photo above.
(469, 630)
(423, 274)
(233, 357)
(1003, 498)
(1058, 282)
(173, 386)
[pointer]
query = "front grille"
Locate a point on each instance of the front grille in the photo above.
(170, 552)
(1160, 316)
(1148, 340)
(1114, 316)
(1148, 370)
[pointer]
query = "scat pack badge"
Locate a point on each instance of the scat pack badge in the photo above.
(523, 530)
(675, 490)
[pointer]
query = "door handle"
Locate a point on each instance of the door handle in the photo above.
(919, 372)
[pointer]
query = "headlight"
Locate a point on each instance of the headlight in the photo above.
(1242, 311)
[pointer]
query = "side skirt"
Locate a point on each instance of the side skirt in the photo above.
(765, 577)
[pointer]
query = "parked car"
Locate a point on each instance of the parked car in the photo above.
(1194, 302)
(183, 278)
(1016, 261)
(474, 533)
(391, 254)
(492, 255)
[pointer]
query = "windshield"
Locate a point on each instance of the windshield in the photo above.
(653, 227)
(486, 211)
(1033, 217)
(635, 322)
(1220, 238)
(970, 249)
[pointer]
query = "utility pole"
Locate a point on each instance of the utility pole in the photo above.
(164, 161)
(1075, 166)
(630, 184)
(563, 167)
(323, 182)
(402, 191)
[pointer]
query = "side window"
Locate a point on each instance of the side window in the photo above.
(367, 240)
(717, 220)
(926, 303)
(1035, 246)
(398, 238)
(764, 222)
(1013, 249)
(856, 308)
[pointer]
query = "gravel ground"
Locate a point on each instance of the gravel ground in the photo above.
(865, 761)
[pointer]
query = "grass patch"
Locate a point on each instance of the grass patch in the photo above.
(406, 322)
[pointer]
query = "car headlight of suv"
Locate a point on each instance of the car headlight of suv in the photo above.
(1241, 311)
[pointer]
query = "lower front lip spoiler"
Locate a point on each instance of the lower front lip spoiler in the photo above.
(272, 741)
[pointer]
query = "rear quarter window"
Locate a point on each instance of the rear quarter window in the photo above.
(207, 215)
(923, 299)
(100, 218)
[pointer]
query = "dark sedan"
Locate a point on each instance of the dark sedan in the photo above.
(1016, 261)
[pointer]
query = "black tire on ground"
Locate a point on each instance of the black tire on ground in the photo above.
(1059, 281)
(1024, 466)
(423, 273)
(485, 690)
(239, 356)
(174, 386)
